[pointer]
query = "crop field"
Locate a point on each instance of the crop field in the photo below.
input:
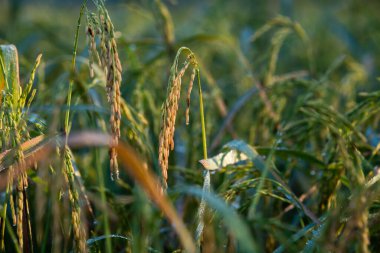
(189, 126)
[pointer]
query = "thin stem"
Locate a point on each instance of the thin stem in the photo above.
(12, 236)
(4, 215)
(207, 179)
(201, 110)
(69, 171)
(103, 198)
(73, 61)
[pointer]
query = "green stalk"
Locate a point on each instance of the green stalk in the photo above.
(12, 236)
(68, 166)
(3, 215)
(46, 230)
(201, 110)
(73, 62)
(207, 179)
(104, 201)
(101, 184)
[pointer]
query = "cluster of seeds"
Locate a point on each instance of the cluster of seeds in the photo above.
(78, 230)
(170, 108)
(101, 25)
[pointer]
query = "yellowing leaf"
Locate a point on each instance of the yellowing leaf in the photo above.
(223, 160)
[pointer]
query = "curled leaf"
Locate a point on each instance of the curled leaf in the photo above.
(223, 160)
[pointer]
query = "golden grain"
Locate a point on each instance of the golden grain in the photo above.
(109, 61)
(170, 108)
(78, 230)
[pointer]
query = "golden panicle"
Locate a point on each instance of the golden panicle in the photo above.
(22, 184)
(11, 199)
(170, 108)
(110, 63)
(93, 54)
(113, 85)
(20, 212)
(78, 230)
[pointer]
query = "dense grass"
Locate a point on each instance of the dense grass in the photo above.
(105, 146)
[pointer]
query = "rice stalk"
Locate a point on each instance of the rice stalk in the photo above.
(92, 31)
(276, 44)
(14, 130)
(11, 199)
(169, 113)
(68, 170)
(102, 26)
(20, 212)
(170, 108)
(284, 23)
(357, 225)
(57, 210)
(165, 23)
(106, 56)
(78, 230)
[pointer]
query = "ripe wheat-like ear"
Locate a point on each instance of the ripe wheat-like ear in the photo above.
(170, 107)
(100, 24)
